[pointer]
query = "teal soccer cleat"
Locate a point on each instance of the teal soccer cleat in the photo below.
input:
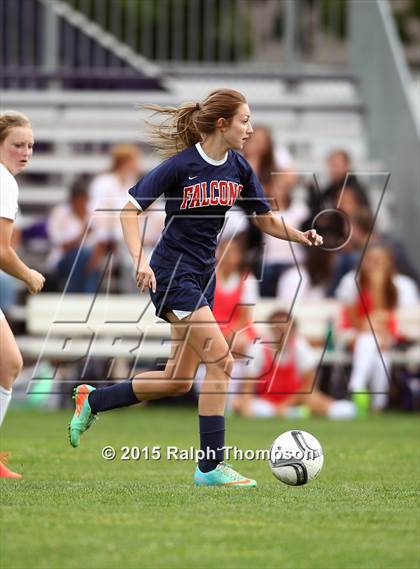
(222, 475)
(83, 416)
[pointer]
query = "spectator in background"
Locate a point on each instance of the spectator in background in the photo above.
(340, 174)
(363, 230)
(284, 370)
(259, 150)
(311, 281)
(279, 185)
(108, 192)
(266, 159)
(77, 248)
(278, 256)
(235, 296)
(348, 256)
(371, 313)
(260, 153)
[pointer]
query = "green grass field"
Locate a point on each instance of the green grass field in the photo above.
(74, 509)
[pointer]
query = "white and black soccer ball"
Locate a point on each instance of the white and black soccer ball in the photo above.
(296, 458)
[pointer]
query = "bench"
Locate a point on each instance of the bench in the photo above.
(72, 327)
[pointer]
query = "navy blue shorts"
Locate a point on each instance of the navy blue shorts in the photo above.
(181, 290)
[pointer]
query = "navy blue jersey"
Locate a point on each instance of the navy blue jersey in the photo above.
(198, 192)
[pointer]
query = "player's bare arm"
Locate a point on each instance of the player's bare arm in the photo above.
(12, 264)
(145, 277)
(276, 227)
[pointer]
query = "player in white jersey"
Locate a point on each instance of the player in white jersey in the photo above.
(16, 144)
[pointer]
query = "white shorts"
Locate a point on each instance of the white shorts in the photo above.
(2, 314)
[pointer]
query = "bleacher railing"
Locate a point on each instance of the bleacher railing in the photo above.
(97, 40)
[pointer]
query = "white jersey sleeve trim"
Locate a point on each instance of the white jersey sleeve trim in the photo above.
(134, 202)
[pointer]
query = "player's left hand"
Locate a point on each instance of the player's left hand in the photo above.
(311, 237)
(145, 277)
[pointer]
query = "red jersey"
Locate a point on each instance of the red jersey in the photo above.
(364, 307)
(227, 304)
(280, 378)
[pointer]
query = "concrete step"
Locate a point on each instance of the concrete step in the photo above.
(95, 163)
(76, 164)
(259, 92)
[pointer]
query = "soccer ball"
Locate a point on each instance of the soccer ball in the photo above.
(296, 458)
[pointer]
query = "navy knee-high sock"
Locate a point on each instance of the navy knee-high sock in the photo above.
(212, 439)
(112, 397)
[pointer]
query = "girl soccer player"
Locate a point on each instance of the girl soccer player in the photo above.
(16, 143)
(202, 178)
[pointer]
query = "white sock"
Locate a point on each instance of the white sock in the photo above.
(342, 410)
(5, 397)
(365, 357)
(295, 412)
(262, 408)
(380, 383)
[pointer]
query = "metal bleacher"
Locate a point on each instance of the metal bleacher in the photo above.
(82, 90)
(69, 328)
(74, 129)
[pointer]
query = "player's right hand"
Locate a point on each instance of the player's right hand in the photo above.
(35, 281)
(145, 277)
